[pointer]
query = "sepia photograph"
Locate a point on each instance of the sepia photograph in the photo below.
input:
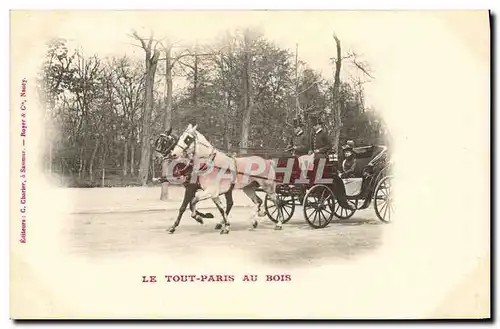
(250, 164)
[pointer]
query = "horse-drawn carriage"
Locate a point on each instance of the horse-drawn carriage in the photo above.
(319, 198)
(312, 183)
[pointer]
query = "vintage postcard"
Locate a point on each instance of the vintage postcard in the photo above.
(250, 165)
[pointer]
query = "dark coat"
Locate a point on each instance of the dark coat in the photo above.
(322, 142)
(349, 166)
(302, 144)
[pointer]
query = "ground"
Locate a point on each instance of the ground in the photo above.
(110, 222)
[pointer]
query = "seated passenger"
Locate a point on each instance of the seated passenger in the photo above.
(349, 163)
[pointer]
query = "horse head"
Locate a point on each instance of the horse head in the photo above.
(192, 143)
(164, 144)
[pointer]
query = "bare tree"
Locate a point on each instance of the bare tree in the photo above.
(249, 38)
(337, 121)
(225, 66)
(152, 55)
(128, 82)
(353, 59)
(170, 61)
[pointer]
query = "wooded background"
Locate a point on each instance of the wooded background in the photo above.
(243, 90)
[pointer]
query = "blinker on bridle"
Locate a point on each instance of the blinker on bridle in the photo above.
(190, 139)
(164, 144)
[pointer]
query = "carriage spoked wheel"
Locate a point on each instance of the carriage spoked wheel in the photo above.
(318, 206)
(284, 207)
(382, 200)
(343, 213)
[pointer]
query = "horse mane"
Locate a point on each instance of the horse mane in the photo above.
(203, 138)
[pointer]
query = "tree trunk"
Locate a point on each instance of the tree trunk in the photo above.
(195, 81)
(151, 64)
(103, 162)
(168, 99)
(82, 163)
(227, 135)
(297, 100)
(337, 120)
(247, 105)
(125, 158)
(164, 186)
(167, 123)
(132, 158)
(92, 159)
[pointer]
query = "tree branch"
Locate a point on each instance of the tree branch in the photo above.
(186, 64)
(310, 86)
(363, 67)
(136, 36)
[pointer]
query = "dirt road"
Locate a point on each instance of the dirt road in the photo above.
(107, 223)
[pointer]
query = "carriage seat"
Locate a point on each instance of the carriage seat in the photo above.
(364, 155)
(352, 186)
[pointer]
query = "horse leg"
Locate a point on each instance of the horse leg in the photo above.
(229, 201)
(199, 213)
(225, 225)
(189, 193)
(200, 195)
(229, 205)
(250, 192)
(205, 215)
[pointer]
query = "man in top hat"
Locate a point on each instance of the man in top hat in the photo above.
(320, 140)
(321, 145)
(349, 163)
(300, 144)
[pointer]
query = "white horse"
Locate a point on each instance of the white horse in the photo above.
(226, 173)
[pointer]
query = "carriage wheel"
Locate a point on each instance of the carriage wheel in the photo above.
(343, 213)
(285, 207)
(318, 206)
(383, 202)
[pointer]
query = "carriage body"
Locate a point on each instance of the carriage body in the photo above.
(301, 179)
(316, 196)
(372, 164)
(302, 185)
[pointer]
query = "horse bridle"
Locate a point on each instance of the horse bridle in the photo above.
(165, 151)
(162, 140)
(194, 140)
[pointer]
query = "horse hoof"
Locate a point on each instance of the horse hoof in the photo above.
(209, 215)
(255, 224)
(171, 230)
(278, 228)
(225, 231)
(261, 213)
(218, 226)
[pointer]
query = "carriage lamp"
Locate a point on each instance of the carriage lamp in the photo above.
(333, 157)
